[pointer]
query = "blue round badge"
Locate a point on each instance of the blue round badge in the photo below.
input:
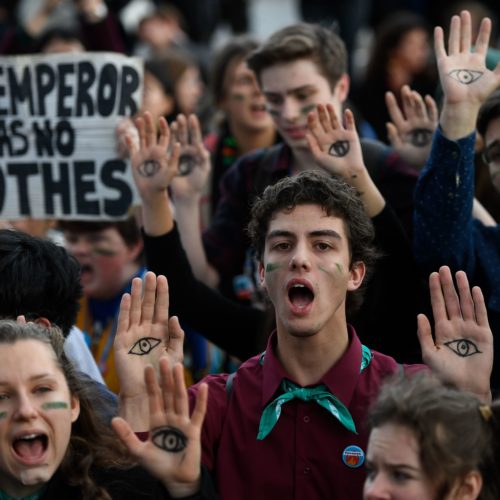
(353, 456)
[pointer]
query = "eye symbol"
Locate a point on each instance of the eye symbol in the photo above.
(462, 347)
(465, 75)
(144, 346)
(339, 148)
(420, 137)
(169, 439)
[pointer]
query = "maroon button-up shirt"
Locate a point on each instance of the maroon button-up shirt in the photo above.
(302, 456)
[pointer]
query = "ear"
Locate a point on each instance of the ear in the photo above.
(262, 275)
(75, 408)
(357, 274)
(43, 321)
(342, 87)
(468, 487)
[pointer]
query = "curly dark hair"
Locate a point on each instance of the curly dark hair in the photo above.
(453, 435)
(303, 41)
(336, 198)
(92, 444)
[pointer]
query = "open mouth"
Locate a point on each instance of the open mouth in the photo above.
(300, 295)
(30, 448)
(258, 108)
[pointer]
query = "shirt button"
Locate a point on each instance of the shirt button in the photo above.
(306, 419)
(307, 470)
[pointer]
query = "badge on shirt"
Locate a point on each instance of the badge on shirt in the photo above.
(353, 456)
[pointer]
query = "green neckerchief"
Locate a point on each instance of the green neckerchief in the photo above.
(35, 496)
(320, 394)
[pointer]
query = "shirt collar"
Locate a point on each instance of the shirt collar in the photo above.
(341, 379)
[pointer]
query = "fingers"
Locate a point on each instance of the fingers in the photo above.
(324, 118)
(21, 319)
(424, 334)
(181, 404)
(483, 36)
(153, 391)
(451, 299)
(480, 307)
(175, 341)
(439, 49)
(127, 436)
(162, 300)
(437, 299)
(333, 119)
(454, 37)
(466, 302)
(465, 32)
(432, 109)
(393, 136)
(394, 110)
(123, 322)
(350, 123)
(164, 138)
(147, 305)
(182, 130)
(200, 407)
(149, 130)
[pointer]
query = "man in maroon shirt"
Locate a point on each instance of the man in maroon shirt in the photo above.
(291, 421)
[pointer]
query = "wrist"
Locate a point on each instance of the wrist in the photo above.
(97, 13)
(183, 489)
(458, 120)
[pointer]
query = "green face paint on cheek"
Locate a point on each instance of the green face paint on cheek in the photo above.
(55, 405)
(238, 97)
(3, 414)
(272, 266)
(340, 269)
(306, 109)
(106, 252)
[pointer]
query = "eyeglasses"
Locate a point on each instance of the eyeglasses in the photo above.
(491, 154)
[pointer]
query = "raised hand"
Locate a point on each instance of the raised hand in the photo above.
(463, 72)
(173, 451)
(412, 126)
(153, 166)
(337, 150)
(144, 334)
(462, 352)
(194, 162)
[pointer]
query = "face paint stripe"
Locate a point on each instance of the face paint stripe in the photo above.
(271, 266)
(55, 405)
(3, 414)
(306, 109)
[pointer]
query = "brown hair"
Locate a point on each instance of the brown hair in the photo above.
(92, 442)
(335, 197)
(303, 41)
(453, 434)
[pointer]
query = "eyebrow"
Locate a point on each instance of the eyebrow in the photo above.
(493, 144)
(35, 377)
(279, 233)
(291, 91)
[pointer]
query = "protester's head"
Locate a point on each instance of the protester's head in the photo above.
(39, 280)
(297, 68)
(109, 253)
(431, 442)
(337, 230)
(60, 40)
(488, 125)
(46, 417)
(235, 89)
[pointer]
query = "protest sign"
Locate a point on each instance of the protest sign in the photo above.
(58, 115)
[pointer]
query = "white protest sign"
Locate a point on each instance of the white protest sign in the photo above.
(58, 115)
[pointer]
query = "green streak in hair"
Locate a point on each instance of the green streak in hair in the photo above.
(55, 405)
(272, 266)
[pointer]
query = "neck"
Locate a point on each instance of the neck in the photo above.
(249, 140)
(302, 160)
(308, 359)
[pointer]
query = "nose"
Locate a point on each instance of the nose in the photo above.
(290, 110)
(25, 409)
(376, 488)
(300, 258)
(77, 246)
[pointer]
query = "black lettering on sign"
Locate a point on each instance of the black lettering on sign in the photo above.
(120, 205)
(64, 88)
(23, 171)
(53, 187)
(16, 132)
(43, 138)
(130, 83)
(45, 80)
(3, 111)
(65, 138)
(86, 77)
(2, 189)
(106, 91)
(20, 90)
(5, 140)
(83, 186)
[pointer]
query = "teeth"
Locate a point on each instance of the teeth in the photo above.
(298, 286)
(30, 436)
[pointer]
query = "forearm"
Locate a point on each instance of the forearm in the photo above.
(372, 198)
(157, 217)
(188, 221)
(458, 120)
